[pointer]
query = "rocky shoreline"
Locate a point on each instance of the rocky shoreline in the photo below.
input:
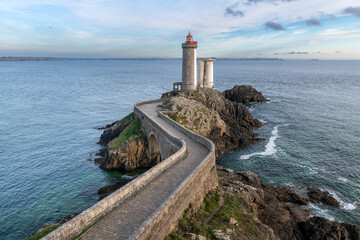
(251, 209)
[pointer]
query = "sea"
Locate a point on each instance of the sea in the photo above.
(50, 112)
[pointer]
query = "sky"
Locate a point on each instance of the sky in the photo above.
(288, 29)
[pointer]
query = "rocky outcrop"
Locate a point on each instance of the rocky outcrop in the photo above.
(273, 213)
(126, 146)
(129, 156)
(195, 116)
(318, 228)
(244, 94)
(237, 118)
(318, 196)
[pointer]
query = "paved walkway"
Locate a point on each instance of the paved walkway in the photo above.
(124, 220)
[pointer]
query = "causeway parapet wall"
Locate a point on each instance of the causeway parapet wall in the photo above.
(91, 215)
(165, 219)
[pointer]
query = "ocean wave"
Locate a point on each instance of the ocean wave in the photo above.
(316, 170)
(270, 147)
(319, 211)
(342, 179)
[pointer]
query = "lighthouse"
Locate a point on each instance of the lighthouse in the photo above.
(189, 71)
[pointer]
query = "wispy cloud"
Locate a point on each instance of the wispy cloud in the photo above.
(274, 26)
(267, 1)
(230, 11)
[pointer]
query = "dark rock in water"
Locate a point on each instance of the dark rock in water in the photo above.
(101, 152)
(108, 189)
(67, 218)
(318, 228)
(287, 195)
(113, 130)
(98, 160)
(317, 196)
(244, 94)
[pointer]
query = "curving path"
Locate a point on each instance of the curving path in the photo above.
(128, 217)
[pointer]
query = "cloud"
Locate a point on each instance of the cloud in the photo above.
(274, 26)
(229, 11)
(337, 52)
(269, 1)
(353, 11)
(313, 22)
(291, 53)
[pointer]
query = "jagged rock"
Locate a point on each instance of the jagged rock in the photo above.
(194, 236)
(317, 196)
(195, 116)
(129, 156)
(318, 228)
(267, 204)
(286, 195)
(249, 178)
(221, 234)
(244, 94)
(235, 115)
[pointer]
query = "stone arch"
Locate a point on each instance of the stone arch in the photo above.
(154, 150)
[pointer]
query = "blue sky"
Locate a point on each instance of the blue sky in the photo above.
(289, 29)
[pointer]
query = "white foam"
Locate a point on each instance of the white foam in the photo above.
(270, 147)
(342, 179)
(344, 205)
(127, 177)
(320, 211)
(262, 121)
(349, 206)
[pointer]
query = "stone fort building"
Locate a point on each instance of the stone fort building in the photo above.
(189, 69)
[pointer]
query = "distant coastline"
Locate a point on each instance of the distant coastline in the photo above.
(114, 59)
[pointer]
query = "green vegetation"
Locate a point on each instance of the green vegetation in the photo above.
(131, 132)
(195, 94)
(232, 208)
(179, 119)
(43, 232)
(196, 123)
(127, 118)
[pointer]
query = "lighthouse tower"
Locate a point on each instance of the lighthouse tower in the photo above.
(189, 71)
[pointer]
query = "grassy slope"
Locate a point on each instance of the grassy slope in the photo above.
(131, 132)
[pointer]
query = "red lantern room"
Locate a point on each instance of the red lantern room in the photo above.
(189, 38)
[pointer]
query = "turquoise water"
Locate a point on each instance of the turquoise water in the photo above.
(50, 111)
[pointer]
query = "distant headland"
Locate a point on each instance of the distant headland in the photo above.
(114, 59)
